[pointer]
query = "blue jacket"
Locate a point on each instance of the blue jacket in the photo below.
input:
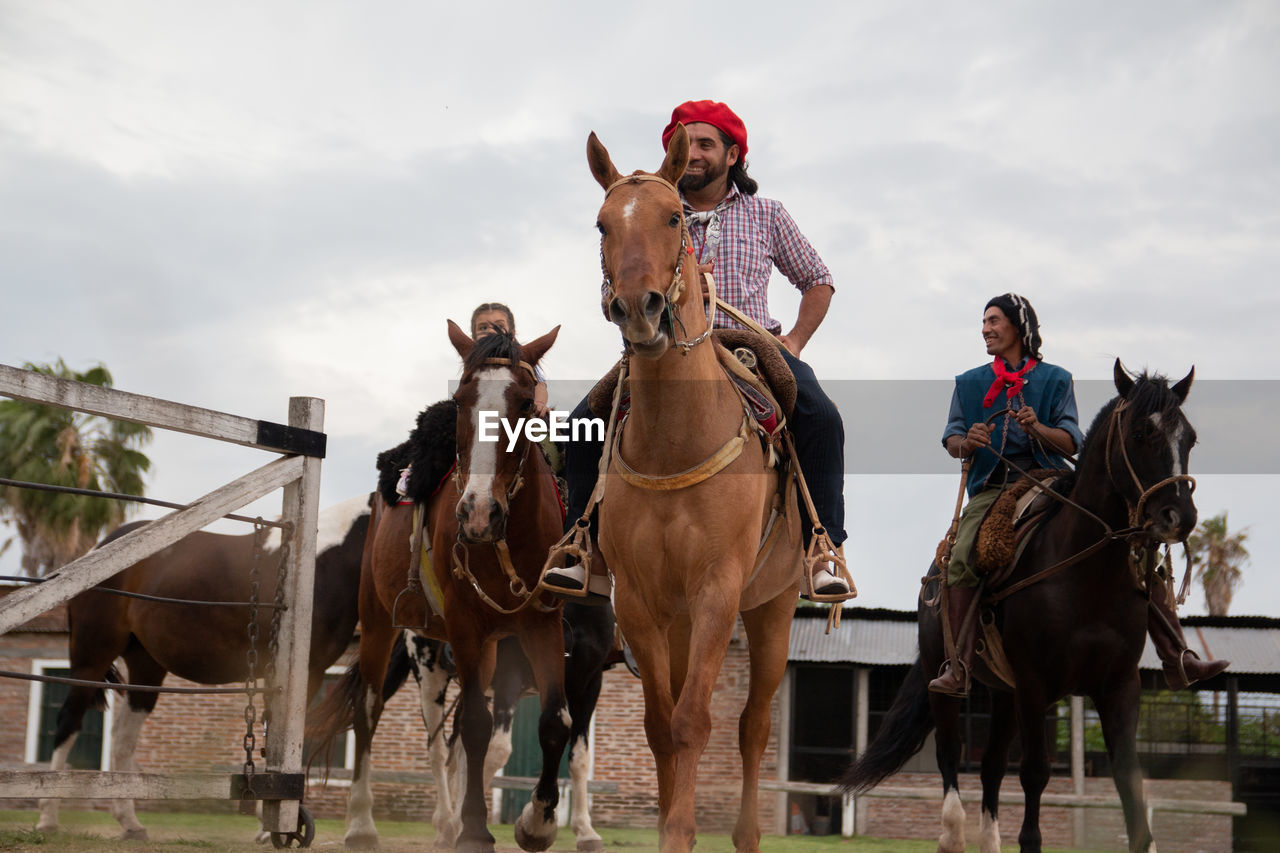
(1048, 389)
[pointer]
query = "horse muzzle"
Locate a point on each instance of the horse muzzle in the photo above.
(481, 519)
(640, 319)
(1172, 522)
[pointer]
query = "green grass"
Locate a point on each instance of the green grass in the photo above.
(83, 832)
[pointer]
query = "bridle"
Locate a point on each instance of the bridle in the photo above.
(675, 290)
(461, 556)
(1135, 510)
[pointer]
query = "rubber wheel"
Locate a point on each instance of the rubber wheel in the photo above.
(305, 834)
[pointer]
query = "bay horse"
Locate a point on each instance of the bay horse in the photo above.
(589, 639)
(683, 554)
(207, 645)
(1072, 616)
(483, 585)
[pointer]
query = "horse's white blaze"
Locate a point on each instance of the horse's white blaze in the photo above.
(629, 209)
(952, 838)
(990, 830)
(336, 521)
(493, 384)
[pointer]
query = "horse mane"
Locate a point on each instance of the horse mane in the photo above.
(1150, 394)
(496, 345)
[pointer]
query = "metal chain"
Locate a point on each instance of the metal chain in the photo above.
(273, 635)
(251, 661)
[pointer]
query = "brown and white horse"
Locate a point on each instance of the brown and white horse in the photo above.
(682, 546)
(207, 645)
(484, 586)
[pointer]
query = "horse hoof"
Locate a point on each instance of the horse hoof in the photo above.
(475, 846)
(533, 843)
(139, 834)
(594, 846)
(361, 841)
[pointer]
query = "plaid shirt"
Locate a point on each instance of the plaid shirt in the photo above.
(756, 234)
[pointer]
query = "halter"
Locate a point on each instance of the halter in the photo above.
(675, 290)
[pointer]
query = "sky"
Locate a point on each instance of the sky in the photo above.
(232, 204)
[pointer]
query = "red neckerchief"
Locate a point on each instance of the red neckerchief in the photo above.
(1012, 379)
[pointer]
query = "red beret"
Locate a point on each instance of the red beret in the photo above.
(714, 113)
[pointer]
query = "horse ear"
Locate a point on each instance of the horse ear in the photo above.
(533, 351)
(677, 156)
(1184, 385)
(602, 167)
(1124, 382)
(463, 344)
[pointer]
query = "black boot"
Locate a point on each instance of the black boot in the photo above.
(954, 678)
(1182, 667)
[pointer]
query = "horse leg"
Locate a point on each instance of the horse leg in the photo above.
(543, 645)
(126, 728)
(474, 657)
(376, 641)
(433, 685)
(649, 645)
(946, 715)
(767, 645)
(1118, 713)
(702, 656)
(592, 630)
(995, 762)
(510, 678)
(1034, 769)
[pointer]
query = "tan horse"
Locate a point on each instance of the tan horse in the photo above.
(681, 540)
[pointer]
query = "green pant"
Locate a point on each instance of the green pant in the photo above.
(961, 571)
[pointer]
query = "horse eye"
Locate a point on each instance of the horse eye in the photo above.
(675, 220)
(600, 228)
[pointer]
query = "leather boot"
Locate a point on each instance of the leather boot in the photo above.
(1182, 667)
(954, 678)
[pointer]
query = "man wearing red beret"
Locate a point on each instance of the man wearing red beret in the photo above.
(740, 237)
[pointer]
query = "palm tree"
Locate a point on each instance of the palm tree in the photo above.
(45, 444)
(1218, 558)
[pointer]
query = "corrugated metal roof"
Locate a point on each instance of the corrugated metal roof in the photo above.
(888, 637)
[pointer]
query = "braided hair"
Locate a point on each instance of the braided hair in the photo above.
(1019, 311)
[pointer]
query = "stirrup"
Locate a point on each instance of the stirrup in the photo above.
(831, 557)
(950, 667)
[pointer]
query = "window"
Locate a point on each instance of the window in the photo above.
(42, 722)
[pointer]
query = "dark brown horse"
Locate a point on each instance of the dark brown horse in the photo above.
(484, 586)
(1074, 630)
(688, 501)
(207, 645)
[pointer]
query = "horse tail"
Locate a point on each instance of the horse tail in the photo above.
(903, 733)
(334, 715)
